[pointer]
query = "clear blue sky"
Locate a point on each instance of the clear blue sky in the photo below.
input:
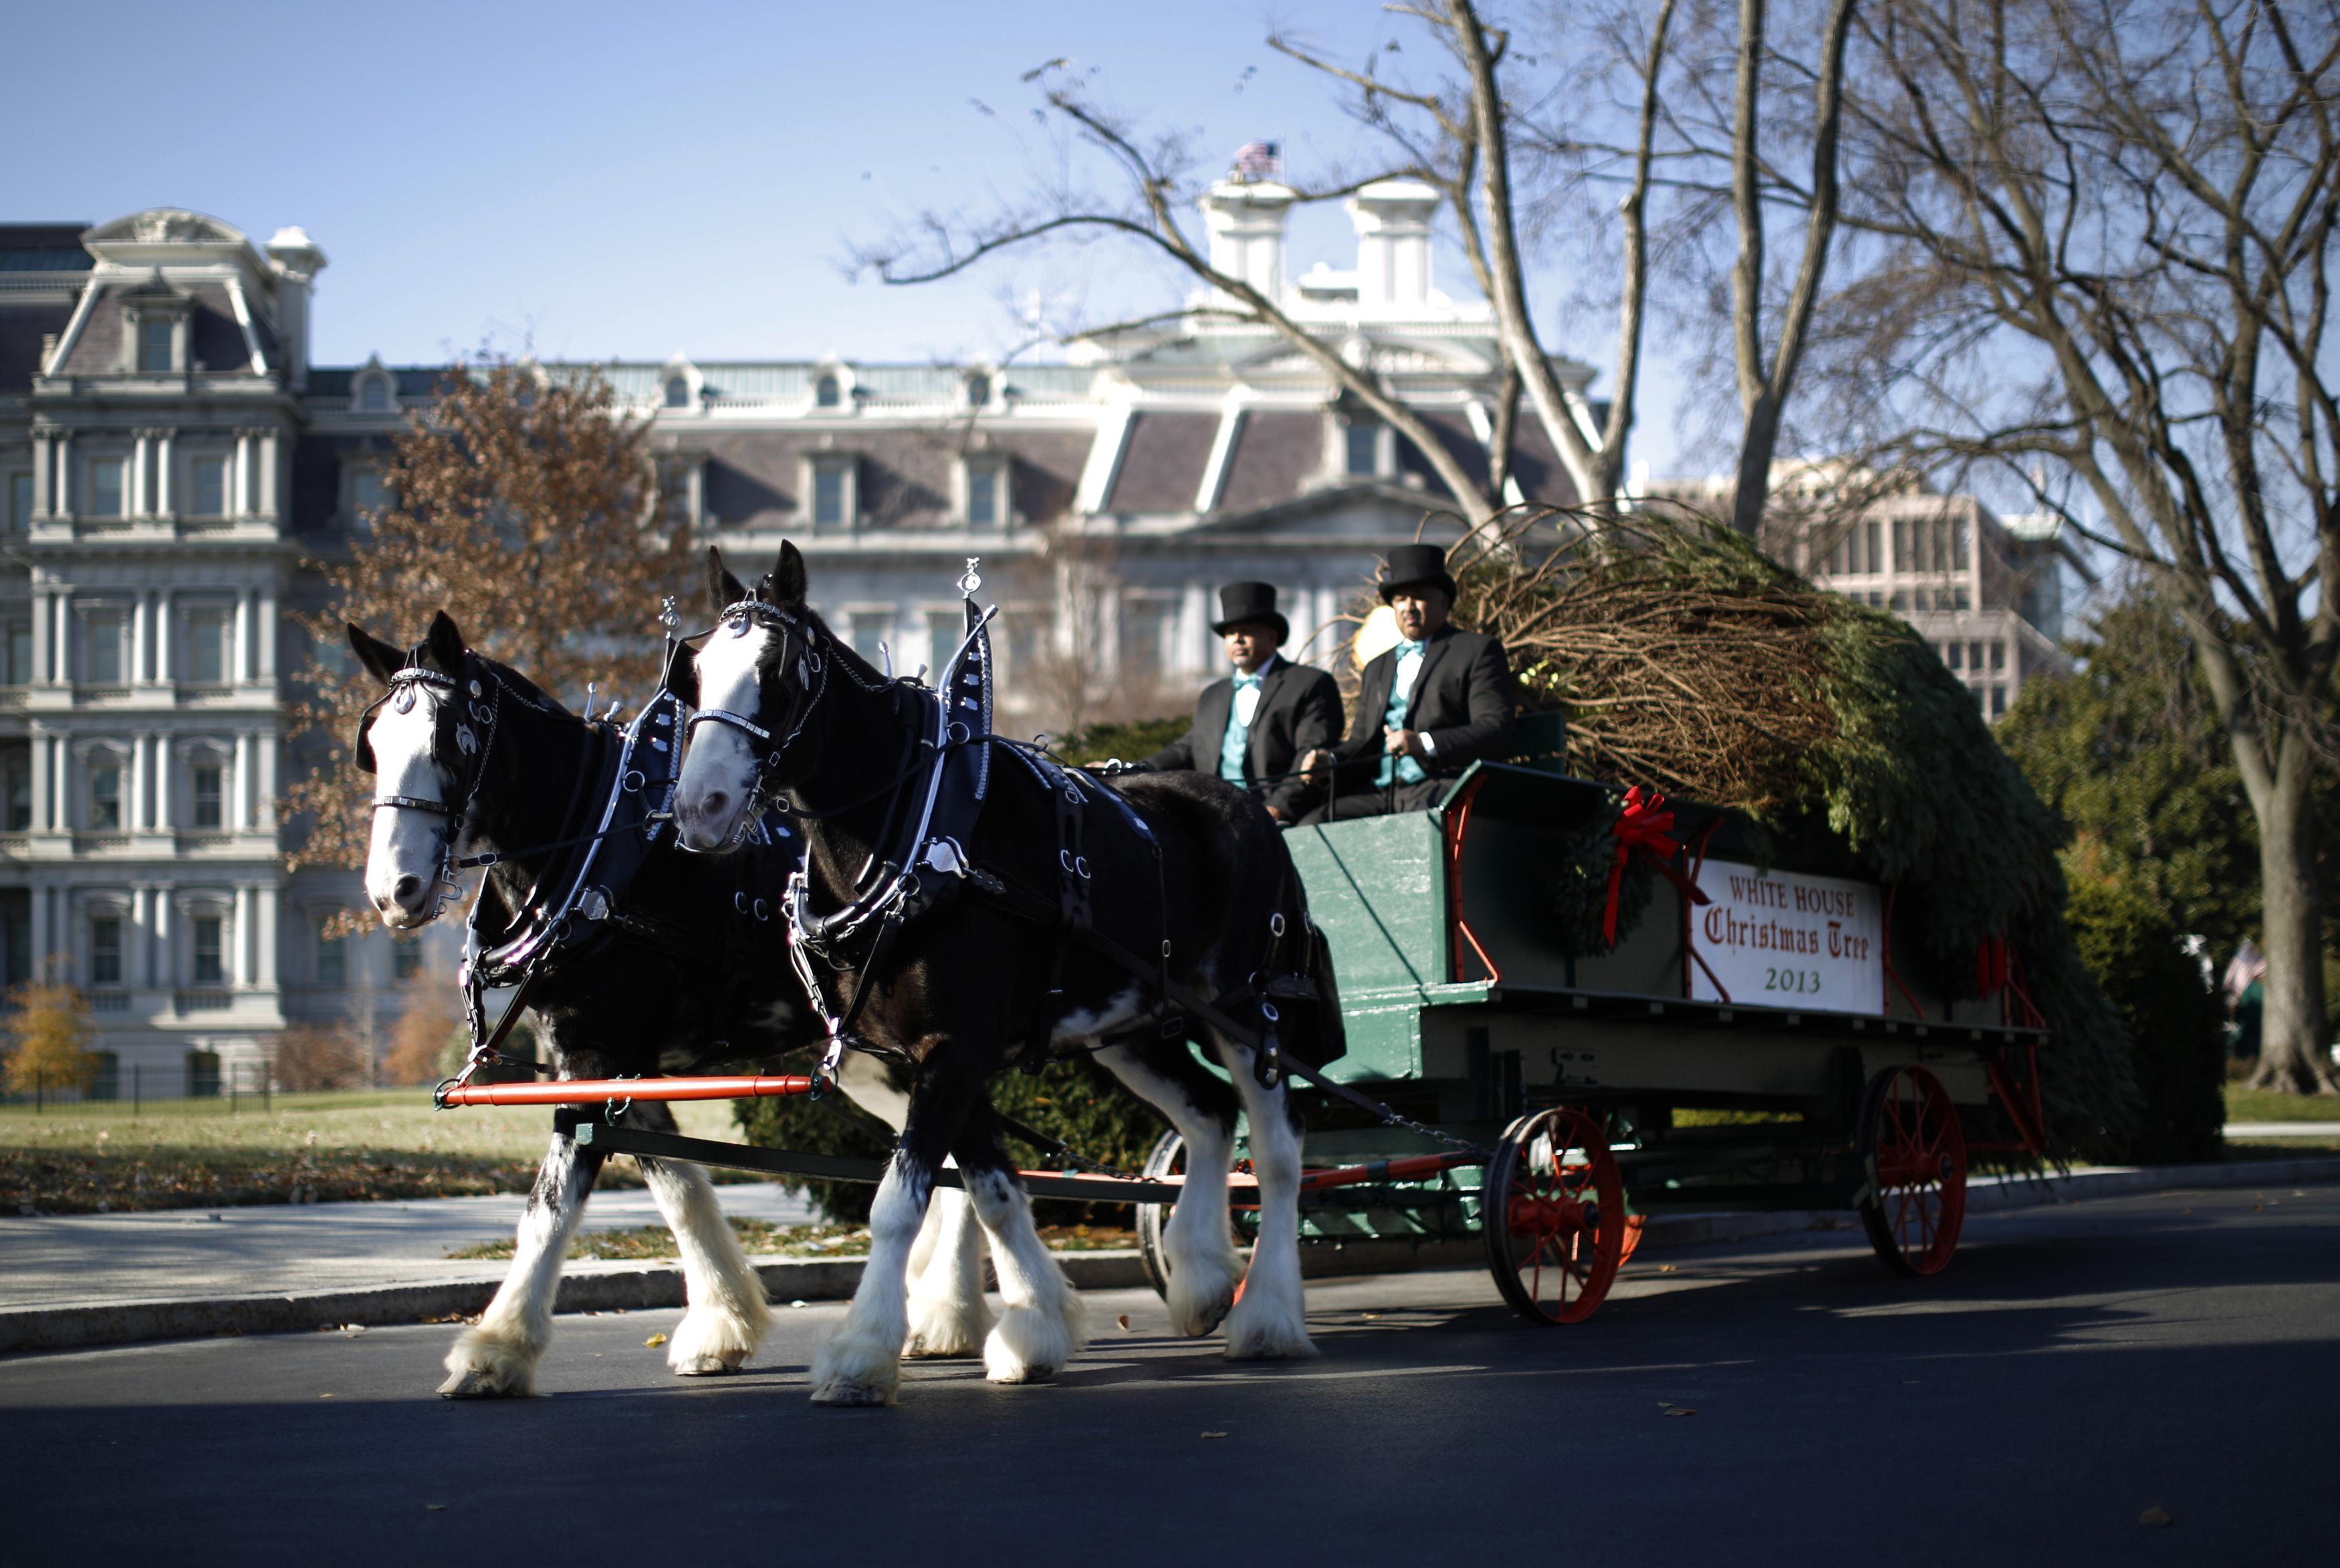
(628, 180)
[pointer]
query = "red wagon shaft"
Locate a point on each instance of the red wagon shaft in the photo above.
(603, 1090)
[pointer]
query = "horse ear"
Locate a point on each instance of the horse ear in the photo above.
(723, 589)
(445, 644)
(788, 578)
(376, 657)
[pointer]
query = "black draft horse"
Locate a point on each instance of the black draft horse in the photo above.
(468, 754)
(1181, 868)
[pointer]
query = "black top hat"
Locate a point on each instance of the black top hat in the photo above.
(1411, 565)
(1241, 602)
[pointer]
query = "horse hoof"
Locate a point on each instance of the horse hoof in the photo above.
(708, 1365)
(472, 1382)
(846, 1394)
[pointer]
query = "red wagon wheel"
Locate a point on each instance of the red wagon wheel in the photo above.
(1554, 1214)
(1914, 1153)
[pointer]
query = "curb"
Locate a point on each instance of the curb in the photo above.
(590, 1288)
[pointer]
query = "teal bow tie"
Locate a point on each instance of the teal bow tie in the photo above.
(1404, 647)
(1242, 680)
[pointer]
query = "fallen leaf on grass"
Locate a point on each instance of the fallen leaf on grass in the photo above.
(2154, 1518)
(655, 1340)
(1124, 1321)
(324, 1396)
(1215, 1435)
(1665, 1269)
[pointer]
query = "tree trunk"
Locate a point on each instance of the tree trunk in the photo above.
(2294, 1054)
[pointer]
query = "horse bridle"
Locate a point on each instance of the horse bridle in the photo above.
(764, 748)
(484, 710)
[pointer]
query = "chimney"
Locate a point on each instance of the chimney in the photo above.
(298, 261)
(1246, 220)
(1392, 219)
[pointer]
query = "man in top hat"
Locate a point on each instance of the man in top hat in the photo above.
(1426, 709)
(1252, 728)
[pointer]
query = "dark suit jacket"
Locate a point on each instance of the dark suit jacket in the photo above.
(1299, 711)
(1462, 700)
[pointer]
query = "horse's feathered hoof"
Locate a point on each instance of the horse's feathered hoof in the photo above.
(844, 1393)
(476, 1383)
(710, 1366)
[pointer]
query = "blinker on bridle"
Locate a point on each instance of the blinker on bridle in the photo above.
(767, 750)
(402, 695)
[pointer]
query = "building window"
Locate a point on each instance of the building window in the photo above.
(979, 390)
(367, 497)
(105, 797)
(827, 393)
(405, 959)
(832, 493)
(202, 1075)
(208, 934)
(210, 488)
(1952, 653)
(106, 950)
(1998, 656)
(1961, 600)
(678, 391)
(1998, 702)
(946, 629)
(20, 502)
(154, 347)
(1364, 450)
(16, 653)
(1145, 627)
(106, 636)
(1899, 601)
(983, 486)
(207, 648)
(373, 395)
(868, 629)
(207, 812)
(1974, 655)
(332, 956)
(105, 487)
(16, 791)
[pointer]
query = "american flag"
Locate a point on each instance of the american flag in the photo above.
(1259, 161)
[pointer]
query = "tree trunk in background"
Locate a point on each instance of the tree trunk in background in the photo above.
(2294, 1053)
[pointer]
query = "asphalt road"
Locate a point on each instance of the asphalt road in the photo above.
(2075, 1367)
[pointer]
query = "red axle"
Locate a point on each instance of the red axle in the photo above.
(595, 1090)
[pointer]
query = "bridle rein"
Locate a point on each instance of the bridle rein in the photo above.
(484, 710)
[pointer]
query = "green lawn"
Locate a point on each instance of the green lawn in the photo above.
(2265, 1105)
(306, 1148)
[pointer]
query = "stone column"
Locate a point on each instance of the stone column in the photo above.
(164, 658)
(40, 761)
(239, 814)
(134, 505)
(165, 502)
(238, 476)
(44, 473)
(61, 661)
(133, 809)
(265, 780)
(265, 634)
(266, 938)
(268, 474)
(163, 762)
(240, 642)
(64, 495)
(44, 645)
(138, 640)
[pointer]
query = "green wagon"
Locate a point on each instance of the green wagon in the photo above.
(1752, 1040)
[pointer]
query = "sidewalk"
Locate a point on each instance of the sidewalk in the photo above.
(112, 1278)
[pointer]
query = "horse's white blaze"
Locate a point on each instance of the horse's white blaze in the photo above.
(1043, 1324)
(718, 762)
(1271, 1321)
(405, 842)
(729, 1312)
(1198, 1245)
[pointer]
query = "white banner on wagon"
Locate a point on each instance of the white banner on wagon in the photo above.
(1783, 939)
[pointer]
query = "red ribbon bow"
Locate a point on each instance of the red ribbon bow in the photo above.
(1645, 825)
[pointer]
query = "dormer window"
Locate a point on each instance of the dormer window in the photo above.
(154, 347)
(987, 485)
(978, 389)
(678, 391)
(1362, 452)
(373, 396)
(827, 393)
(833, 497)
